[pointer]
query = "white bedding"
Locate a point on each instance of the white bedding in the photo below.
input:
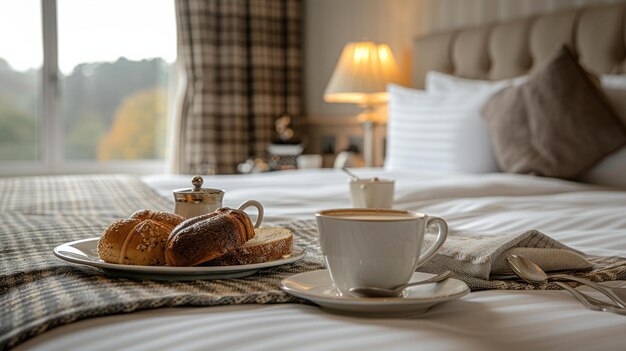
(591, 219)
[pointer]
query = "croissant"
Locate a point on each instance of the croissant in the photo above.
(203, 238)
(138, 240)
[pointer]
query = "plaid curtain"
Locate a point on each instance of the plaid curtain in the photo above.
(242, 62)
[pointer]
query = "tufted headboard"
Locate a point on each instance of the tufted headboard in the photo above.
(509, 49)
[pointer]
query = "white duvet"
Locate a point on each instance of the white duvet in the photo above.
(588, 218)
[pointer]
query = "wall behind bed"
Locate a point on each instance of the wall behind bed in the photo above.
(330, 24)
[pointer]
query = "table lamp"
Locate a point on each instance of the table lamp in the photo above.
(361, 77)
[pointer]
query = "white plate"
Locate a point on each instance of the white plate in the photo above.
(85, 252)
(317, 287)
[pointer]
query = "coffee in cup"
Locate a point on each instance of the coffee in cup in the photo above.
(375, 247)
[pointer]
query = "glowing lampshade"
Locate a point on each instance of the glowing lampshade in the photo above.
(362, 74)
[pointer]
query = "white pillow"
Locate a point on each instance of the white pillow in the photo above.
(438, 132)
(437, 82)
(611, 171)
(613, 81)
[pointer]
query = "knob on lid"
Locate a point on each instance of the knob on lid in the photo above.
(197, 183)
(197, 194)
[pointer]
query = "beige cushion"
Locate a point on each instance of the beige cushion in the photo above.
(434, 54)
(557, 125)
(508, 49)
(548, 33)
(600, 39)
(470, 53)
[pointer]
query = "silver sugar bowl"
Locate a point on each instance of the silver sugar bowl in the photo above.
(197, 201)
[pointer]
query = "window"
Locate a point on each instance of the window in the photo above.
(21, 59)
(87, 88)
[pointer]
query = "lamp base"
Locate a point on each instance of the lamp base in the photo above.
(369, 118)
(368, 143)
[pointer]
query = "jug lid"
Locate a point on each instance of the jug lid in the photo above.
(198, 194)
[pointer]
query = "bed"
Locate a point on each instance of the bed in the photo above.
(587, 217)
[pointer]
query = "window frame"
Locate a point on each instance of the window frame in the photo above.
(50, 157)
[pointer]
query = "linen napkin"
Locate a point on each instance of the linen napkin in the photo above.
(484, 256)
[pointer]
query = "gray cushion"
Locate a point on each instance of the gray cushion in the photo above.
(556, 125)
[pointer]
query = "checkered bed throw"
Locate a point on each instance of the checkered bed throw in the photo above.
(39, 291)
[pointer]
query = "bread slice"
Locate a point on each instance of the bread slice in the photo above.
(268, 244)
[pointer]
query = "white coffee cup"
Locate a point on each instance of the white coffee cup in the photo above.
(371, 192)
(375, 247)
(309, 161)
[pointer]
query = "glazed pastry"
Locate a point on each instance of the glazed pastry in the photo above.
(204, 238)
(139, 240)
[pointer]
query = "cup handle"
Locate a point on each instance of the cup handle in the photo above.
(442, 234)
(364, 196)
(259, 207)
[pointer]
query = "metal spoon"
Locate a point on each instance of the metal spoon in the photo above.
(532, 273)
(397, 291)
(601, 305)
(590, 302)
(352, 175)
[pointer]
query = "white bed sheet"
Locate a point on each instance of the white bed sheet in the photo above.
(588, 218)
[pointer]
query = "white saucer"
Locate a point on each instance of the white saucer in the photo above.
(317, 287)
(86, 252)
